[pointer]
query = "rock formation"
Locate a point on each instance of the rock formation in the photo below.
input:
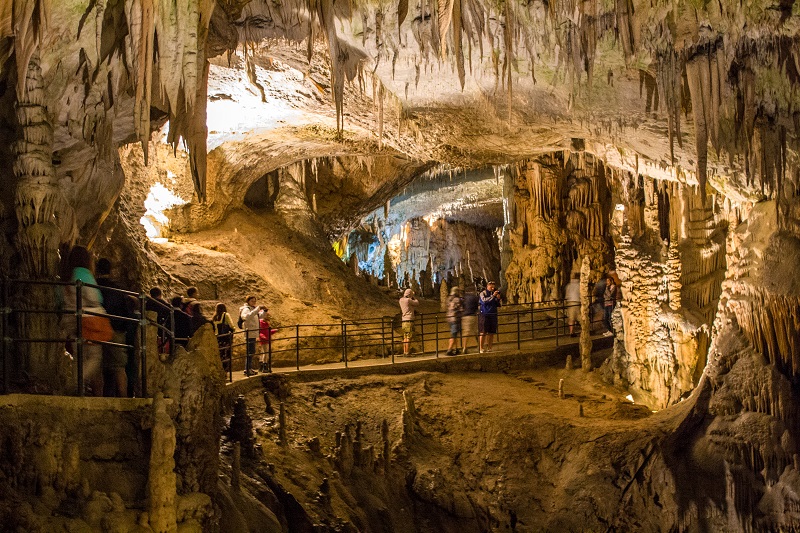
(443, 141)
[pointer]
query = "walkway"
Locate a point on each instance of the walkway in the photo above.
(540, 352)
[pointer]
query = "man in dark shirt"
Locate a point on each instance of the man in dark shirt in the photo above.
(115, 358)
(487, 320)
(183, 323)
(469, 319)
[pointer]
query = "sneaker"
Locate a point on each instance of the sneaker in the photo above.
(458, 351)
(449, 352)
(481, 351)
(573, 334)
(608, 334)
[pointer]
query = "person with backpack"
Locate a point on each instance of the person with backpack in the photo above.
(248, 321)
(490, 300)
(223, 329)
(455, 307)
(469, 319)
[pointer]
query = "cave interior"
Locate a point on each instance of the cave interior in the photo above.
(323, 157)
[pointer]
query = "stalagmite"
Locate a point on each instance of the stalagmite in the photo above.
(161, 483)
(282, 424)
(585, 342)
(236, 465)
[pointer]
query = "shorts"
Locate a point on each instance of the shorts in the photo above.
(408, 330)
(469, 325)
(573, 312)
(455, 329)
(487, 324)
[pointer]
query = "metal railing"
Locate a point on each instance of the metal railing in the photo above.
(18, 308)
(290, 346)
(381, 338)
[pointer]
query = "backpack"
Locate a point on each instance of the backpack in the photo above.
(240, 322)
(222, 327)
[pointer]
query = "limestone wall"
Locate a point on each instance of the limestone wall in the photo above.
(558, 211)
(671, 261)
(55, 445)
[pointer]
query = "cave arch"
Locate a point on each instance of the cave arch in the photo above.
(263, 192)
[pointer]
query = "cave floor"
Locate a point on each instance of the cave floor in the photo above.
(505, 439)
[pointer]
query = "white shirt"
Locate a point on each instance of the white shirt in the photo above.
(573, 291)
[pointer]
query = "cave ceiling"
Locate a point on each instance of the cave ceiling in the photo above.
(685, 91)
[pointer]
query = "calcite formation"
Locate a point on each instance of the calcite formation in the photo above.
(558, 214)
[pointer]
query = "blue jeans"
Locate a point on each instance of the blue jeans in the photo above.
(607, 317)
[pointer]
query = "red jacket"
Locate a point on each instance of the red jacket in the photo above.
(265, 333)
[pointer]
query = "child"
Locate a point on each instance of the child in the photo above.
(265, 333)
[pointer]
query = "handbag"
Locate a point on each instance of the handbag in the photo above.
(97, 328)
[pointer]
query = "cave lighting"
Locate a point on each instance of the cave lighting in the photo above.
(620, 207)
(158, 200)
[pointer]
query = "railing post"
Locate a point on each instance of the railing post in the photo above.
(143, 342)
(172, 341)
(79, 334)
(518, 332)
(6, 338)
(230, 356)
(344, 342)
(269, 353)
(556, 324)
(437, 335)
(421, 331)
(392, 347)
(532, 321)
(297, 346)
(383, 336)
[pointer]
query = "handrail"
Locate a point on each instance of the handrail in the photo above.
(343, 341)
(138, 319)
(347, 339)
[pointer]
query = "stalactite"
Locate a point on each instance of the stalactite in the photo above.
(141, 27)
(457, 48)
(669, 69)
(444, 18)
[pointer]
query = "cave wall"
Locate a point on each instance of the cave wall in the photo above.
(557, 212)
(425, 251)
(670, 257)
(732, 463)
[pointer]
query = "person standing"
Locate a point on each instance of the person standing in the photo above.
(490, 301)
(191, 297)
(572, 297)
(198, 319)
(183, 323)
(79, 265)
(157, 304)
(469, 319)
(223, 329)
(455, 307)
(115, 356)
(408, 305)
(265, 333)
(248, 320)
(610, 301)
